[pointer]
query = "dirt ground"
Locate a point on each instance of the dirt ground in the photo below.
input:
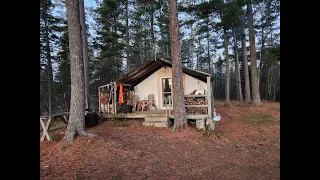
(244, 145)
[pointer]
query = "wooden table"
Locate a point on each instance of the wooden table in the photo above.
(50, 118)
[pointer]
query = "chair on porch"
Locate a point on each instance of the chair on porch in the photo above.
(149, 103)
(135, 103)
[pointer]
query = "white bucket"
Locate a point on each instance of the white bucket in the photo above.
(216, 116)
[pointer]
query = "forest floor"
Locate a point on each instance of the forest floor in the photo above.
(244, 145)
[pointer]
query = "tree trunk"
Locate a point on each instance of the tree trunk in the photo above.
(269, 84)
(220, 80)
(140, 40)
(85, 53)
(260, 64)
(274, 92)
(145, 44)
(192, 40)
(247, 93)
(256, 100)
(192, 47)
(238, 77)
(152, 24)
(227, 85)
(76, 124)
(198, 55)
(217, 83)
(127, 35)
(208, 41)
(49, 66)
(177, 86)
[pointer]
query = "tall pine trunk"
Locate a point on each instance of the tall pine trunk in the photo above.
(208, 50)
(49, 66)
(260, 71)
(127, 35)
(179, 111)
(76, 124)
(227, 85)
(140, 40)
(247, 93)
(152, 27)
(238, 77)
(256, 100)
(85, 53)
(198, 54)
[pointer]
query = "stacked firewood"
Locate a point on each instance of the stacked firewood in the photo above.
(196, 101)
(118, 108)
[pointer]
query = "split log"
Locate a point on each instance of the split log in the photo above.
(196, 101)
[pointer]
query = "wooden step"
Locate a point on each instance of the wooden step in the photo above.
(156, 124)
(156, 121)
(153, 119)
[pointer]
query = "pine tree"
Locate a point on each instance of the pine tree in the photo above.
(179, 112)
(256, 100)
(76, 123)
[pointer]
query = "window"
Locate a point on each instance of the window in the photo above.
(166, 90)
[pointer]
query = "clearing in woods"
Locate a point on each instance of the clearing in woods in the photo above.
(245, 145)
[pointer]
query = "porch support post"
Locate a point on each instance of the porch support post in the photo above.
(209, 97)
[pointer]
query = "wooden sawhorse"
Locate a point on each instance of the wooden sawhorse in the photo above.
(49, 118)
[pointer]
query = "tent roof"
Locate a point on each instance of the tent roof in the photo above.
(149, 67)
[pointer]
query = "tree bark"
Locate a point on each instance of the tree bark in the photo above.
(49, 66)
(274, 92)
(256, 100)
(227, 85)
(247, 93)
(177, 86)
(208, 41)
(140, 40)
(145, 44)
(198, 54)
(238, 77)
(127, 35)
(85, 53)
(76, 124)
(192, 40)
(260, 64)
(152, 24)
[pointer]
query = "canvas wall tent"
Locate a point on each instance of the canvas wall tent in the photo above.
(154, 77)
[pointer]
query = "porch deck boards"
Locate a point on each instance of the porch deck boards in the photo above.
(149, 114)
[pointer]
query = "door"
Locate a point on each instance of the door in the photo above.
(166, 84)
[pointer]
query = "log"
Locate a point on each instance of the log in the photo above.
(196, 105)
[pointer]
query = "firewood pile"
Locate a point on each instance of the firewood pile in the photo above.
(118, 108)
(196, 101)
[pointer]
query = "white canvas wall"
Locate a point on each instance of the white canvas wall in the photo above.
(152, 85)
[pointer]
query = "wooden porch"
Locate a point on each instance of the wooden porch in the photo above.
(161, 117)
(149, 114)
(157, 118)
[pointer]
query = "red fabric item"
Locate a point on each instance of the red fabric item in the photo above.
(120, 94)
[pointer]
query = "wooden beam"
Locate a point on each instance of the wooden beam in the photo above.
(55, 115)
(132, 115)
(212, 97)
(169, 105)
(99, 99)
(196, 105)
(196, 116)
(209, 97)
(115, 98)
(195, 95)
(45, 129)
